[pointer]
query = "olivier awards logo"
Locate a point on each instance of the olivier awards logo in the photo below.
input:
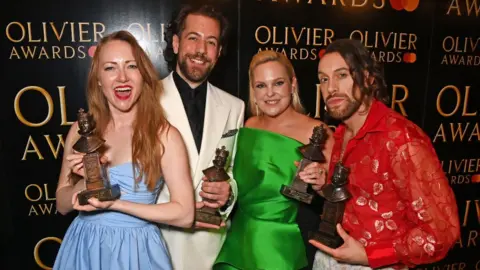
(74, 40)
(399, 5)
(297, 43)
(461, 51)
(388, 47)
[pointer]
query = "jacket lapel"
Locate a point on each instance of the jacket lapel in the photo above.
(216, 115)
(175, 113)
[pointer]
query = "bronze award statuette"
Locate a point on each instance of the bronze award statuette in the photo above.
(215, 173)
(336, 195)
(96, 177)
(311, 152)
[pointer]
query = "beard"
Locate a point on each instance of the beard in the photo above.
(345, 112)
(195, 74)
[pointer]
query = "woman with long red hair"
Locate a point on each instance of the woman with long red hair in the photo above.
(142, 151)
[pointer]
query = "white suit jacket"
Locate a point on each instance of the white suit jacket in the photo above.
(224, 116)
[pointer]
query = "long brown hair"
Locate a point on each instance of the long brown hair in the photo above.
(147, 149)
(266, 56)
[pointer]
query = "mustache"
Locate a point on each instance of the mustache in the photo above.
(336, 96)
(199, 56)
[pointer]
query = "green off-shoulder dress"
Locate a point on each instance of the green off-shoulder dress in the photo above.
(263, 233)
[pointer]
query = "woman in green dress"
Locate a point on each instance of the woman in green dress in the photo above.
(264, 233)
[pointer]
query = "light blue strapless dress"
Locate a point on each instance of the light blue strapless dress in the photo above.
(109, 240)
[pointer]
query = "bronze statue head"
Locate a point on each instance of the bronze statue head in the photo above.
(221, 155)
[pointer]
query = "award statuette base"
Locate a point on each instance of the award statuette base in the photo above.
(327, 233)
(208, 215)
(298, 190)
(102, 194)
(296, 194)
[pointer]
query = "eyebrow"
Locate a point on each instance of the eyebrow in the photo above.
(115, 63)
(336, 70)
(197, 34)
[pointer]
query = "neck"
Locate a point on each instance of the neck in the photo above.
(122, 119)
(192, 85)
(281, 119)
(356, 121)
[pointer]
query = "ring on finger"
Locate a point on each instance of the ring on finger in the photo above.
(321, 171)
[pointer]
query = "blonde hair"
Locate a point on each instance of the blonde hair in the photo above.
(266, 56)
(147, 149)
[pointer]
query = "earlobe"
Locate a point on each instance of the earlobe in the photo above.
(175, 43)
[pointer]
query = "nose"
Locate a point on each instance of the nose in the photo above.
(201, 46)
(270, 91)
(122, 76)
(332, 86)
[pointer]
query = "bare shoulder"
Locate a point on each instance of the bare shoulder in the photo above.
(169, 133)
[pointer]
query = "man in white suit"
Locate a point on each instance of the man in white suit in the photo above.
(208, 118)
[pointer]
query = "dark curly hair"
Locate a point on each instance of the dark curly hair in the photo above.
(177, 25)
(359, 59)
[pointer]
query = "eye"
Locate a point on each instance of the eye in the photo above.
(192, 38)
(342, 75)
(132, 66)
(213, 43)
(323, 79)
(108, 68)
(279, 83)
(260, 85)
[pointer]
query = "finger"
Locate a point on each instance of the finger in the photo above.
(209, 196)
(323, 248)
(212, 204)
(103, 160)
(95, 202)
(201, 225)
(75, 156)
(342, 232)
(199, 205)
(75, 197)
(212, 190)
(317, 187)
(296, 163)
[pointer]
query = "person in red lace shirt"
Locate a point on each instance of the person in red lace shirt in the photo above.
(402, 211)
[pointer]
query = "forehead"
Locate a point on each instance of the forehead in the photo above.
(202, 25)
(116, 50)
(271, 69)
(331, 62)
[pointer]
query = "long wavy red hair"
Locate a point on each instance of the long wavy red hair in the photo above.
(150, 121)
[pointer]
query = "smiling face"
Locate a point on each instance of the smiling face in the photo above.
(118, 76)
(272, 88)
(338, 88)
(197, 47)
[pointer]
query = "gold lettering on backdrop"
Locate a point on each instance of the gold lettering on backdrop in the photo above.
(36, 253)
(458, 101)
(377, 4)
(472, 7)
(318, 109)
(35, 193)
(64, 31)
(50, 105)
(32, 147)
(387, 40)
(294, 42)
(31, 143)
(467, 211)
(461, 51)
(471, 239)
(399, 102)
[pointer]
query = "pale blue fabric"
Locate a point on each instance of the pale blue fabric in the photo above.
(108, 240)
